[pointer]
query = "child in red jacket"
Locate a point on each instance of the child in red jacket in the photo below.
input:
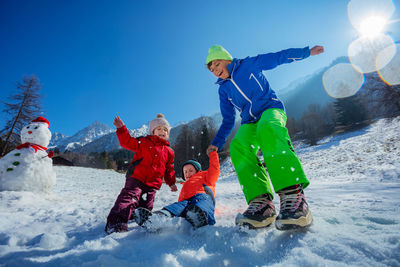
(152, 161)
(196, 200)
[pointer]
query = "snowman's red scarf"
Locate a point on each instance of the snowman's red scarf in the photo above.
(36, 147)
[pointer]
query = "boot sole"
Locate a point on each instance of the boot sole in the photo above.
(301, 222)
(115, 229)
(142, 215)
(255, 224)
(196, 217)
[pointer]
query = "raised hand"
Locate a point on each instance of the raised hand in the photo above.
(173, 188)
(210, 149)
(118, 122)
(316, 50)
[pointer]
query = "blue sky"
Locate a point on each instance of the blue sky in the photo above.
(97, 59)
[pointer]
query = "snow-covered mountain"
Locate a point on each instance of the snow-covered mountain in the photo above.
(56, 138)
(293, 85)
(353, 196)
(109, 142)
(81, 138)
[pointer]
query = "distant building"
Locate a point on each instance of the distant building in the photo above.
(61, 161)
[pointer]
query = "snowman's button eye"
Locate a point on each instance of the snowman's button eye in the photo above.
(27, 127)
(36, 127)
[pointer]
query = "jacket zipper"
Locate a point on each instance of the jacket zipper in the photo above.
(245, 97)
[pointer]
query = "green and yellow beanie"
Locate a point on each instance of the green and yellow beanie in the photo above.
(217, 52)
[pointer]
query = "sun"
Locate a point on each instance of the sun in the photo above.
(372, 26)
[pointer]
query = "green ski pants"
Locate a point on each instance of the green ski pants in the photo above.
(271, 136)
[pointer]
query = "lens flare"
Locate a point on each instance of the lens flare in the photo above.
(363, 52)
(372, 26)
(390, 74)
(359, 10)
(342, 80)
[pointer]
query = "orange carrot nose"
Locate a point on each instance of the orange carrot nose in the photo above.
(29, 132)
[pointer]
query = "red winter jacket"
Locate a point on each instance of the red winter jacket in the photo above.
(153, 158)
(195, 184)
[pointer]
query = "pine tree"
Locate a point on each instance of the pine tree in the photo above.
(312, 124)
(23, 108)
(349, 111)
(386, 97)
(105, 160)
(205, 141)
(317, 122)
(183, 148)
(122, 158)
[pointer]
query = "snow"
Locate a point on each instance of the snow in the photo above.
(353, 195)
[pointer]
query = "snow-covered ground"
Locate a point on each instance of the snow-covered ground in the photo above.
(354, 197)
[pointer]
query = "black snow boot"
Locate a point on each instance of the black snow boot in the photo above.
(294, 212)
(260, 213)
(142, 215)
(116, 228)
(196, 217)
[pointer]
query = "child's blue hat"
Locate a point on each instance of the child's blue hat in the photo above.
(194, 163)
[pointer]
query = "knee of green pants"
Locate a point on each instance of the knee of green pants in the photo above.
(283, 165)
(249, 169)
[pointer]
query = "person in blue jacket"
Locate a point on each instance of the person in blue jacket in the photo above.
(243, 86)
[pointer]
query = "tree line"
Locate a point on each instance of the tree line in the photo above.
(375, 100)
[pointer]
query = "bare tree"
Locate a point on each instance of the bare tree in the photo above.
(24, 107)
(317, 122)
(311, 124)
(292, 127)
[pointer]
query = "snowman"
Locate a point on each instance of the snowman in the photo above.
(28, 167)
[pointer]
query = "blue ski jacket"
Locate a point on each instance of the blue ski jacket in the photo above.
(248, 90)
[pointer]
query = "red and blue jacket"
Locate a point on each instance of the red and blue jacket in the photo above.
(248, 90)
(153, 159)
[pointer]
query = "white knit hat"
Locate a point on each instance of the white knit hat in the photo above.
(159, 121)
